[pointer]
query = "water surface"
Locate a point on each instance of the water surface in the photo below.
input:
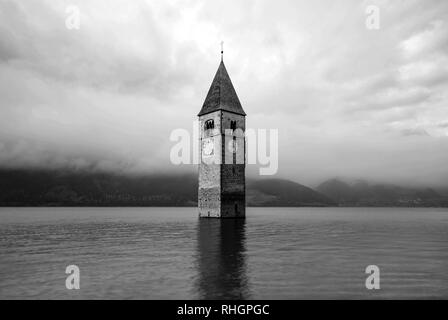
(276, 253)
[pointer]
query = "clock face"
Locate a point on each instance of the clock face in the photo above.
(207, 147)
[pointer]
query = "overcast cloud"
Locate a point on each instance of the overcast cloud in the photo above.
(348, 102)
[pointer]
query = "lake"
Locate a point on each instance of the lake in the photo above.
(276, 253)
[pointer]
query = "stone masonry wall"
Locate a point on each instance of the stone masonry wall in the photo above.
(222, 186)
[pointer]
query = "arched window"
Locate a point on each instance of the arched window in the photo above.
(233, 125)
(209, 124)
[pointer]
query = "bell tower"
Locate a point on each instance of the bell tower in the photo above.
(222, 123)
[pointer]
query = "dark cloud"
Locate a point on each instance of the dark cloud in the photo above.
(347, 101)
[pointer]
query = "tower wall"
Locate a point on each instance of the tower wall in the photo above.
(233, 190)
(233, 182)
(209, 193)
(222, 187)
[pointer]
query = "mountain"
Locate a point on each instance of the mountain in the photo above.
(337, 190)
(80, 188)
(72, 188)
(361, 193)
(284, 193)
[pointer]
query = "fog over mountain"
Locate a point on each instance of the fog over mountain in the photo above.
(347, 101)
(83, 188)
(363, 193)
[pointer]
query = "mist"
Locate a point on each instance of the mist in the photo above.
(347, 101)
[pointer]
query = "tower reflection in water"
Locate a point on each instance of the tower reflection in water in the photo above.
(221, 259)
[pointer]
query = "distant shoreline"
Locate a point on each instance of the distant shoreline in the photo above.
(46, 188)
(173, 206)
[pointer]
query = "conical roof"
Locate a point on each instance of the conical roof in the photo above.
(222, 95)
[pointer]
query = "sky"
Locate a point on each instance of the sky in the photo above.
(347, 101)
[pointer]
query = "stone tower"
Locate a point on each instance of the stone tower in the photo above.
(222, 123)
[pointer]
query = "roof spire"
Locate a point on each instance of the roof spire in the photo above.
(222, 50)
(222, 95)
